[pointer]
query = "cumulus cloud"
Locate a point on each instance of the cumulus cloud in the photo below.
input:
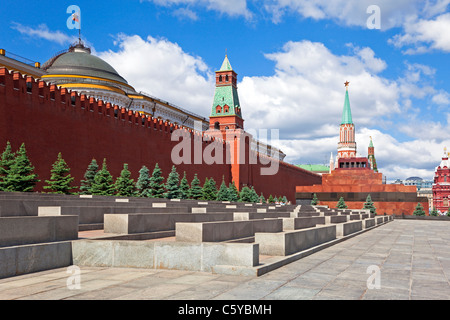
(306, 93)
(162, 69)
(422, 35)
(233, 8)
(43, 32)
(346, 12)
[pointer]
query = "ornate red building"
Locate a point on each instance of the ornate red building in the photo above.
(441, 185)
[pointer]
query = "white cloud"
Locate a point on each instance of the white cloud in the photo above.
(42, 31)
(162, 69)
(346, 12)
(233, 8)
(421, 35)
(306, 93)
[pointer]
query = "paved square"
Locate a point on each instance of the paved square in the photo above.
(412, 256)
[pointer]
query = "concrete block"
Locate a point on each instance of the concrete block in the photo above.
(335, 219)
(290, 242)
(261, 210)
(198, 210)
(159, 205)
(302, 222)
(164, 255)
(25, 259)
(30, 230)
(346, 228)
(133, 254)
(240, 216)
(150, 222)
(368, 223)
(225, 230)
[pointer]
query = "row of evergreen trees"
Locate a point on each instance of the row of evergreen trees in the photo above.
(342, 205)
(17, 174)
(419, 210)
(99, 182)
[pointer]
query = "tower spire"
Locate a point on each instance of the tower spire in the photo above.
(347, 142)
(226, 110)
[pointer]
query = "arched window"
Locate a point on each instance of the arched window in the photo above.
(218, 109)
(227, 78)
(220, 78)
(217, 126)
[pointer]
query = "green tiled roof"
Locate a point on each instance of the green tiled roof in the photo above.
(226, 66)
(347, 114)
(314, 167)
(226, 95)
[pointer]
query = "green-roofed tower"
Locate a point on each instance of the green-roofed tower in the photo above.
(347, 143)
(371, 156)
(226, 109)
(347, 113)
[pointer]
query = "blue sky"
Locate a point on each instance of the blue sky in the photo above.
(292, 58)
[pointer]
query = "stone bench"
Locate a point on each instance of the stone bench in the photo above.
(289, 242)
(240, 216)
(346, 228)
(368, 223)
(336, 219)
(95, 214)
(15, 231)
(225, 231)
(151, 222)
(302, 222)
(172, 255)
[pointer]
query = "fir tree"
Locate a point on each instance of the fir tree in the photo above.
(89, 175)
(275, 200)
(196, 190)
(103, 182)
(173, 185)
(262, 199)
(284, 200)
(184, 187)
(341, 204)
(6, 162)
(233, 193)
(60, 178)
(143, 184)
(419, 211)
(209, 190)
(156, 183)
(21, 176)
(124, 185)
(314, 201)
(254, 195)
(246, 195)
(271, 199)
(370, 205)
(223, 194)
(434, 212)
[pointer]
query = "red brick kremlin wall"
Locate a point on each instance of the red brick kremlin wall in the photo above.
(51, 120)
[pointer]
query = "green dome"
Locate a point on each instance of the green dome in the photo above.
(80, 62)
